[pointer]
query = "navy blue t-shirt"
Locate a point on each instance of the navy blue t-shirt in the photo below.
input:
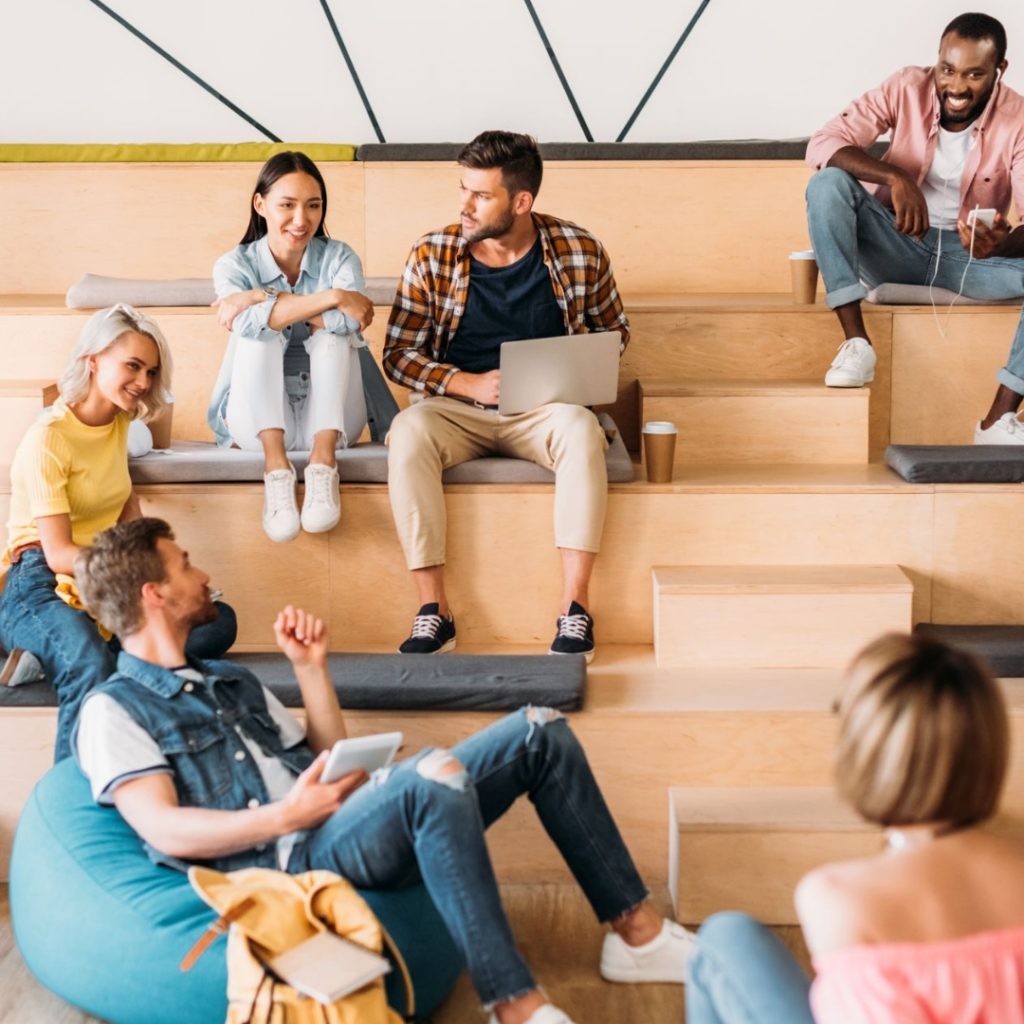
(510, 303)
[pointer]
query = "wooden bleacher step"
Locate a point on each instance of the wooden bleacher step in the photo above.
(784, 616)
(746, 848)
(21, 401)
(787, 421)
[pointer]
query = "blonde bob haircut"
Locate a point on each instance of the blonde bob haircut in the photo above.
(101, 330)
(923, 735)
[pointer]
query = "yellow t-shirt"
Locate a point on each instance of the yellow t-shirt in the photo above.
(64, 467)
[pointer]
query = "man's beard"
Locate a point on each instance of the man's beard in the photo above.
(970, 114)
(498, 228)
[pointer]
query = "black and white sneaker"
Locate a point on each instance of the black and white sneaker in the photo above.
(432, 633)
(575, 633)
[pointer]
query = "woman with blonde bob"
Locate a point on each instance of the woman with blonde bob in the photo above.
(932, 928)
(69, 482)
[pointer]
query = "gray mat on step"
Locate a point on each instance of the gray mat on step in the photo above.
(1002, 647)
(957, 464)
(403, 682)
(203, 462)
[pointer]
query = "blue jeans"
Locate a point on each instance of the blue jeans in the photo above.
(740, 973)
(414, 822)
(855, 240)
(74, 656)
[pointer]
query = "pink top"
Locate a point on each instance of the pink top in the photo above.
(978, 979)
(906, 104)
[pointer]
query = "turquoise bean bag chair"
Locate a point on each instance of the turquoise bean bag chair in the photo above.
(105, 928)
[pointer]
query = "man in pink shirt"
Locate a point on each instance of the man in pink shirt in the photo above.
(957, 144)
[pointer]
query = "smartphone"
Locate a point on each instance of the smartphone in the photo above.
(366, 752)
(984, 216)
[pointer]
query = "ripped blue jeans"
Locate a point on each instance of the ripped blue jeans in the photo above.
(425, 819)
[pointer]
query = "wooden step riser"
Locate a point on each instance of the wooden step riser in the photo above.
(774, 344)
(636, 757)
(772, 630)
(753, 872)
(720, 429)
(380, 209)
(356, 576)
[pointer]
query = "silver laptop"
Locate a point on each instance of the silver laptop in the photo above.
(582, 369)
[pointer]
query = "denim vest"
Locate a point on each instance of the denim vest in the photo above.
(194, 725)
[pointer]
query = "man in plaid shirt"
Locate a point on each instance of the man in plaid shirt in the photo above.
(504, 273)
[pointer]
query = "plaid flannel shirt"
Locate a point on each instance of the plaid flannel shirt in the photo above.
(432, 292)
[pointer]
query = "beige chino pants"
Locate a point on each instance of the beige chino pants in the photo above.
(439, 432)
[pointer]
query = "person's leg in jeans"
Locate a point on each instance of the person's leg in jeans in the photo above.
(993, 278)
(213, 640)
(74, 657)
(855, 238)
(740, 973)
(427, 817)
(332, 415)
(261, 417)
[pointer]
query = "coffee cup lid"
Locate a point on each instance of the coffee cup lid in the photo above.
(659, 427)
(802, 254)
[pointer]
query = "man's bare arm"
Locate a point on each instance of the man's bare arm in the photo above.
(908, 201)
(150, 805)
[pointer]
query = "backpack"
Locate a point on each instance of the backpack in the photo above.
(270, 912)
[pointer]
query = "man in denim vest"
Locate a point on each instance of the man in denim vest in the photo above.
(206, 765)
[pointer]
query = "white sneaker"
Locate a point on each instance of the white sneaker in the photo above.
(546, 1014)
(1008, 429)
(853, 366)
(280, 513)
(664, 958)
(321, 504)
(21, 667)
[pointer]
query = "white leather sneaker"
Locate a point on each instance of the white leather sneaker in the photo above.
(663, 959)
(853, 366)
(321, 504)
(21, 667)
(1008, 429)
(546, 1014)
(280, 512)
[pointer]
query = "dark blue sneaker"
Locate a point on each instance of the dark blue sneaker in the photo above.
(432, 633)
(575, 633)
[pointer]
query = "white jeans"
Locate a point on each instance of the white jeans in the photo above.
(258, 399)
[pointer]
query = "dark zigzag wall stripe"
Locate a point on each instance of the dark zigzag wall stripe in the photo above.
(664, 67)
(184, 70)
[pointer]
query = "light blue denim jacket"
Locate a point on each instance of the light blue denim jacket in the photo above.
(194, 726)
(326, 263)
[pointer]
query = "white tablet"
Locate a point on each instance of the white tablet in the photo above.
(366, 752)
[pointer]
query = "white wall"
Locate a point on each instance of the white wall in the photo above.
(441, 70)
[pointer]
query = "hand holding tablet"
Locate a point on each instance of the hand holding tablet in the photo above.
(366, 752)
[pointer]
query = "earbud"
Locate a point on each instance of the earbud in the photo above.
(999, 73)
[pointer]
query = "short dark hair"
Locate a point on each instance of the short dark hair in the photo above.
(979, 26)
(288, 162)
(516, 155)
(111, 572)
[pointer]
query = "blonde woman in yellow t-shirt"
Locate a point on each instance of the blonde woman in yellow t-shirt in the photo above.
(69, 481)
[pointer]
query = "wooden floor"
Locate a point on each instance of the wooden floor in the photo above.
(556, 931)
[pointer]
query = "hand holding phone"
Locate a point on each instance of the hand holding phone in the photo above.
(985, 215)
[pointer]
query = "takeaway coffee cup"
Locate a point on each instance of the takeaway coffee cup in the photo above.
(804, 271)
(160, 426)
(659, 450)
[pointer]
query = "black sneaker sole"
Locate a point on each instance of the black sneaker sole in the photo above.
(444, 648)
(588, 656)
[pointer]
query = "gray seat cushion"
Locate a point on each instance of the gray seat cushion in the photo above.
(917, 295)
(1002, 647)
(957, 464)
(93, 291)
(204, 462)
(407, 682)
